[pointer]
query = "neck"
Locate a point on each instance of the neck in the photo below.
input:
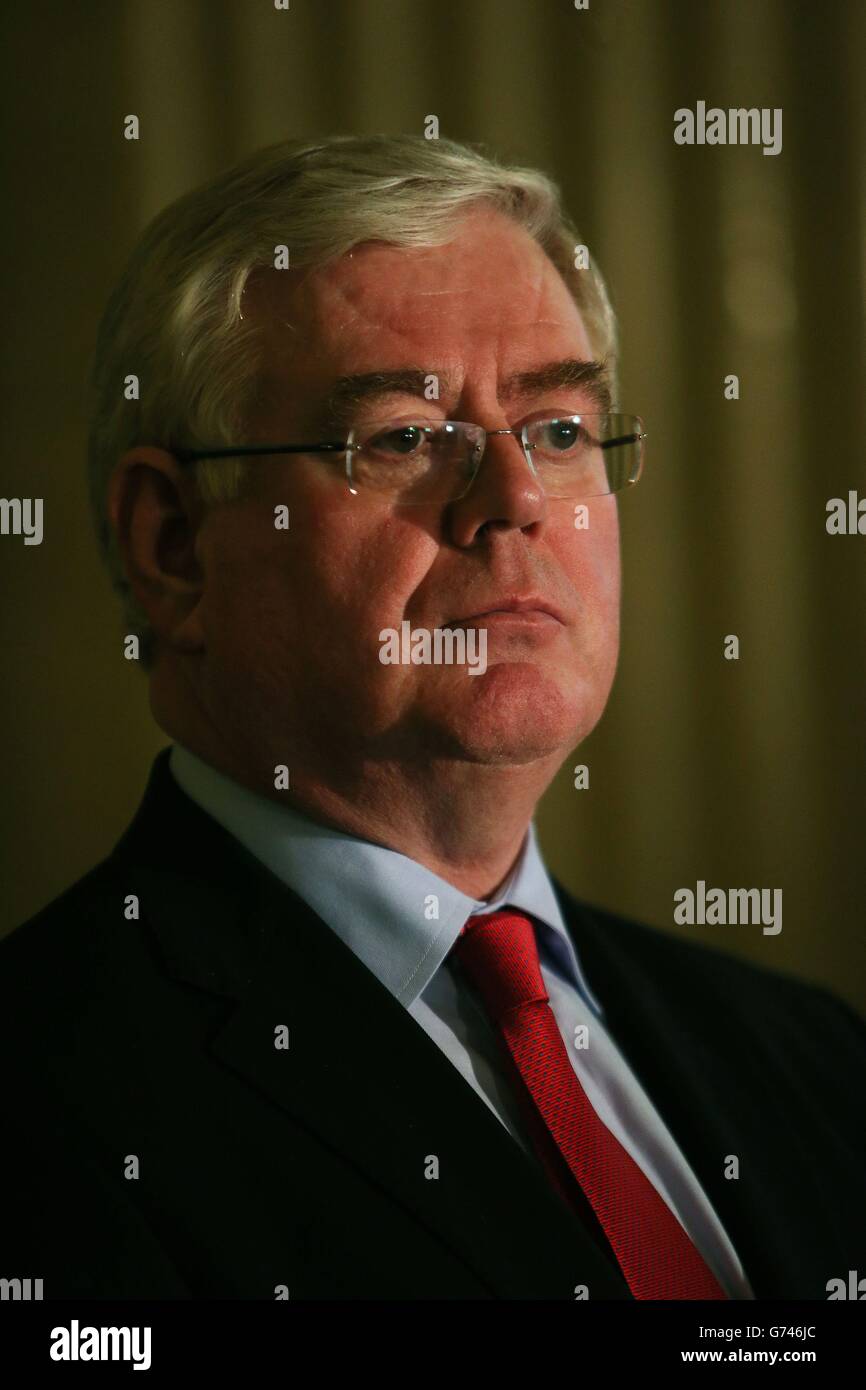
(463, 819)
(465, 823)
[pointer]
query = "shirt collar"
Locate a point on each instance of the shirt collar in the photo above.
(397, 916)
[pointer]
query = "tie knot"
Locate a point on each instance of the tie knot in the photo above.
(500, 957)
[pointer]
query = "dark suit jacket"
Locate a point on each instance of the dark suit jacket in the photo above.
(305, 1167)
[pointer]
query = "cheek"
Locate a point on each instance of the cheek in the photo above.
(591, 560)
(321, 604)
(249, 616)
(606, 572)
(367, 565)
(250, 603)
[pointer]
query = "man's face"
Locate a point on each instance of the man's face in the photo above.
(292, 618)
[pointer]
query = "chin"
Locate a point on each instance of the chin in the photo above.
(514, 713)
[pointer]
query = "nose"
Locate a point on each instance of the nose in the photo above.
(505, 493)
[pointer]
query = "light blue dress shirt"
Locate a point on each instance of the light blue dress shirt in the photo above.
(401, 920)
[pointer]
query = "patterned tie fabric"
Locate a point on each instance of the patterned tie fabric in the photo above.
(658, 1260)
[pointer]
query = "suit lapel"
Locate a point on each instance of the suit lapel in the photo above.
(367, 1078)
(703, 1074)
(359, 1071)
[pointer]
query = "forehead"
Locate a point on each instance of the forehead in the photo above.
(489, 300)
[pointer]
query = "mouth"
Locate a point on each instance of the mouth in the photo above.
(528, 611)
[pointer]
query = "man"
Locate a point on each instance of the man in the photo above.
(322, 1025)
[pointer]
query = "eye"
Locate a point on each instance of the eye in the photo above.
(560, 436)
(402, 440)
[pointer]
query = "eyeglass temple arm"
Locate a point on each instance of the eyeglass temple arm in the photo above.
(621, 439)
(190, 455)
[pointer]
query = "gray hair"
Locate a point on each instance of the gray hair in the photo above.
(174, 318)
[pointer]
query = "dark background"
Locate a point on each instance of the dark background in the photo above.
(719, 260)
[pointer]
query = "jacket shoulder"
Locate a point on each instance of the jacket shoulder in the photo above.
(708, 973)
(90, 898)
(69, 960)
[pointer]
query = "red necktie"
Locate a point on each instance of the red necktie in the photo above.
(656, 1256)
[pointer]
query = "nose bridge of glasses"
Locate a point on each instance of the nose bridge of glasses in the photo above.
(504, 469)
(517, 431)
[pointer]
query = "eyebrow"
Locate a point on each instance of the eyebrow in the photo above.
(349, 392)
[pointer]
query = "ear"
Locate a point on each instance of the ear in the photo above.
(155, 511)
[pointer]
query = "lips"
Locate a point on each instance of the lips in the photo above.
(516, 605)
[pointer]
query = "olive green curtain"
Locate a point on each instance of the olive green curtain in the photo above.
(721, 260)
